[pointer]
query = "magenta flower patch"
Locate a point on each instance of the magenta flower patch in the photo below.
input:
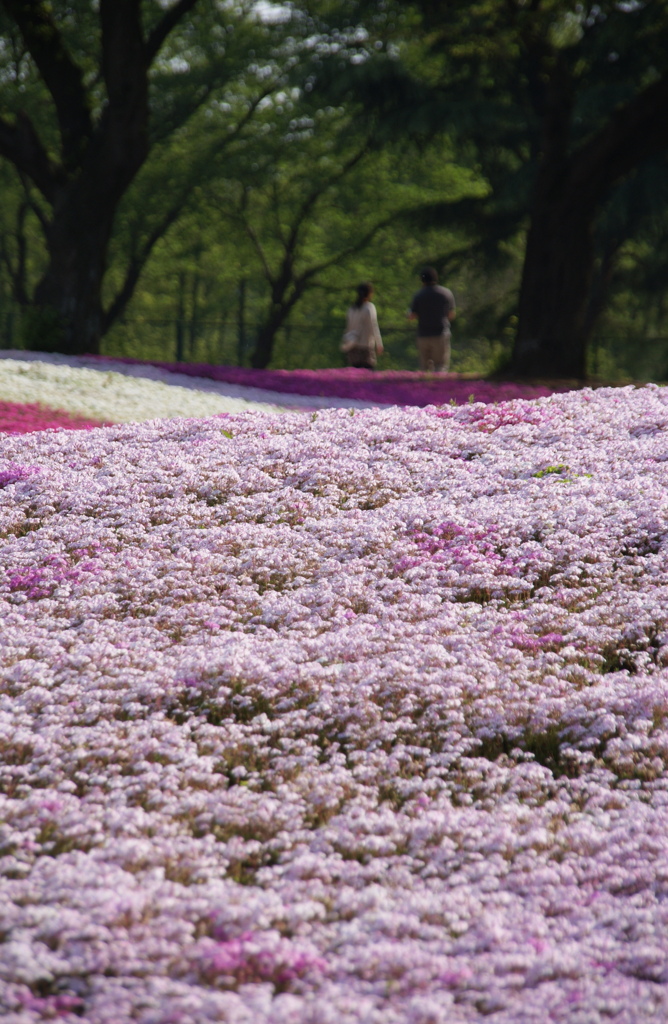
(386, 387)
(20, 418)
(14, 474)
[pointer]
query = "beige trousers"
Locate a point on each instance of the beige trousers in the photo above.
(434, 353)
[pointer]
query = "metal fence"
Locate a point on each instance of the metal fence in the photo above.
(624, 355)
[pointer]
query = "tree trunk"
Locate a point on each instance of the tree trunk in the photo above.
(67, 306)
(241, 322)
(180, 317)
(264, 344)
(555, 315)
(556, 280)
(279, 311)
(99, 158)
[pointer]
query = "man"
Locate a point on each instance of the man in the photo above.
(434, 308)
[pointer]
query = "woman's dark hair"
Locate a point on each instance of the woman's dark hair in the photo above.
(428, 276)
(364, 290)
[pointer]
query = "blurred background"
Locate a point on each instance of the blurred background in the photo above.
(274, 155)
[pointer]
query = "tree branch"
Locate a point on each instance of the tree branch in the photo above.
(45, 224)
(167, 23)
(282, 280)
(139, 259)
(250, 231)
(123, 127)
(137, 263)
(62, 77)
(17, 272)
(276, 213)
(317, 192)
(348, 251)
(21, 145)
(635, 132)
(299, 282)
(123, 66)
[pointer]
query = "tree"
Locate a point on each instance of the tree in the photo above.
(353, 230)
(316, 196)
(90, 93)
(575, 174)
(558, 102)
(298, 183)
(629, 282)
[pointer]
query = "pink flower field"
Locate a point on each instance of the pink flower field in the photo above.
(338, 717)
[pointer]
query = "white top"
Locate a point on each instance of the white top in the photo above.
(364, 322)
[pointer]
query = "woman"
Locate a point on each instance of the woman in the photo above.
(362, 342)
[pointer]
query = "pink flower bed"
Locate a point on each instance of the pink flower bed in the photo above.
(389, 387)
(23, 418)
(338, 718)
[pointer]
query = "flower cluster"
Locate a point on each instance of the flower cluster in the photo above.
(338, 718)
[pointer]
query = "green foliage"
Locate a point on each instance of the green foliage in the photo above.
(549, 470)
(528, 94)
(305, 207)
(355, 140)
(210, 72)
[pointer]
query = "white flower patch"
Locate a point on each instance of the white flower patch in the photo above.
(109, 396)
(338, 719)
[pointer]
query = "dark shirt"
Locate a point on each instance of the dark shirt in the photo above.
(432, 305)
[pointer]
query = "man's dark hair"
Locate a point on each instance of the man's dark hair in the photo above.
(428, 276)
